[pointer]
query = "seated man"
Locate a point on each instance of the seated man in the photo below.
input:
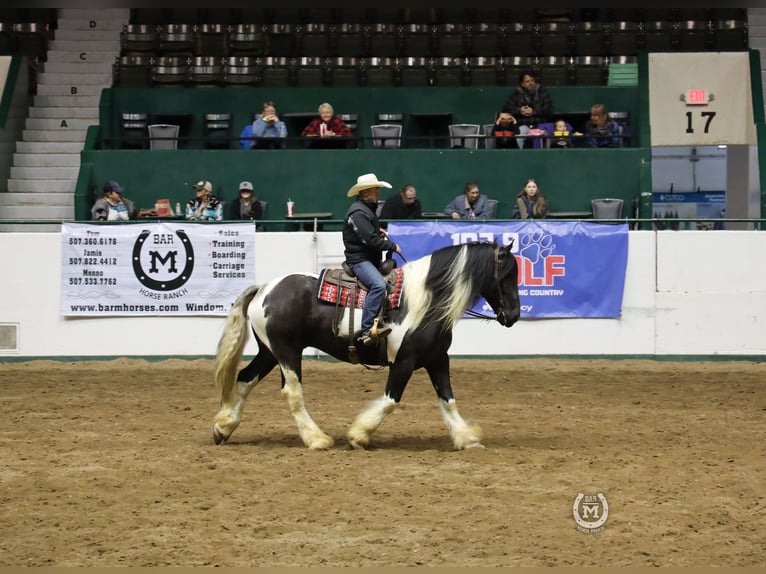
(403, 205)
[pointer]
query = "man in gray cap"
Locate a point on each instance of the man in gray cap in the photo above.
(364, 243)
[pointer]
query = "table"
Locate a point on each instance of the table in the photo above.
(329, 142)
(309, 221)
(570, 214)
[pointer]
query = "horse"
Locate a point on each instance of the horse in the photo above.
(286, 316)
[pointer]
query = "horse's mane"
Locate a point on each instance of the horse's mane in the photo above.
(440, 286)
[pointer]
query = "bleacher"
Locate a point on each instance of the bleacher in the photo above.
(460, 63)
(414, 47)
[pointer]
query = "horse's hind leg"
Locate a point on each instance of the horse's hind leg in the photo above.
(230, 415)
(292, 390)
(463, 434)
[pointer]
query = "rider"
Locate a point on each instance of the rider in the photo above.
(364, 243)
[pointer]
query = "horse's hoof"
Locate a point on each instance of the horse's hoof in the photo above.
(322, 444)
(218, 437)
(356, 445)
(476, 444)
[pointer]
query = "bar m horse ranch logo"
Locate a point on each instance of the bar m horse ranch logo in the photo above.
(590, 512)
(163, 261)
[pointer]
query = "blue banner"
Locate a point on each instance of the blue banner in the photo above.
(566, 269)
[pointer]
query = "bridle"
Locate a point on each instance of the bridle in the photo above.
(478, 315)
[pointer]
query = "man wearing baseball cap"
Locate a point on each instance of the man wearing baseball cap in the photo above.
(364, 243)
(204, 206)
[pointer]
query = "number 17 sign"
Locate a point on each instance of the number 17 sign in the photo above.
(700, 99)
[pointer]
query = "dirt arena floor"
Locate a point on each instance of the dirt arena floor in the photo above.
(112, 463)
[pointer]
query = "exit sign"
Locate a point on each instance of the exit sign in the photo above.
(697, 97)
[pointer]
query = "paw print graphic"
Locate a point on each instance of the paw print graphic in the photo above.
(536, 245)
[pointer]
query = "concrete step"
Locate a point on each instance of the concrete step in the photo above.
(49, 147)
(85, 45)
(82, 90)
(64, 113)
(79, 56)
(72, 124)
(36, 212)
(87, 34)
(52, 78)
(53, 136)
(69, 100)
(80, 67)
(43, 198)
(41, 185)
(43, 173)
(46, 159)
(95, 14)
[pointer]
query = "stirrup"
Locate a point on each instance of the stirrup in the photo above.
(379, 330)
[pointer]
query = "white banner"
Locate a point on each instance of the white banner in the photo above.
(155, 268)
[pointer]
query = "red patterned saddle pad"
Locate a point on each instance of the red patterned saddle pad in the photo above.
(331, 290)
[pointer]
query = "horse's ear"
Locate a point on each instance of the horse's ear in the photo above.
(509, 246)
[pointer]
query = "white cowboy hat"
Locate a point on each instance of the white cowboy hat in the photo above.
(366, 181)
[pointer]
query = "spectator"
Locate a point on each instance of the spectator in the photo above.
(333, 125)
(364, 242)
(600, 131)
(403, 205)
(470, 205)
(530, 104)
(503, 131)
(268, 125)
(561, 137)
(204, 206)
(112, 206)
(530, 203)
(246, 206)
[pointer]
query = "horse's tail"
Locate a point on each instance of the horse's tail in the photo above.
(232, 344)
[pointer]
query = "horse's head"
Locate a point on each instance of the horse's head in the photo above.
(503, 292)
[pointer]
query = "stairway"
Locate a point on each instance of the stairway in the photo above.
(44, 171)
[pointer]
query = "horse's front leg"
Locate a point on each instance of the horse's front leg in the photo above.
(464, 435)
(292, 390)
(368, 421)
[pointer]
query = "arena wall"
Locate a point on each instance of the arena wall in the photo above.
(689, 293)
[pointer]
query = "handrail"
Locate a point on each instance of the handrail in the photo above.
(759, 223)
(303, 142)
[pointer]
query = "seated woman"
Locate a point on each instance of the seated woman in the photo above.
(600, 131)
(530, 203)
(326, 127)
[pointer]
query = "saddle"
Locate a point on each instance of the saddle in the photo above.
(342, 288)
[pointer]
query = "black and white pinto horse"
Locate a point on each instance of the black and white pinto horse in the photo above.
(286, 317)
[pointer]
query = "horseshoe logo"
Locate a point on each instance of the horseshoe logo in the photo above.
(165, 259)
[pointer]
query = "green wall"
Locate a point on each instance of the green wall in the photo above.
(318, 179)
